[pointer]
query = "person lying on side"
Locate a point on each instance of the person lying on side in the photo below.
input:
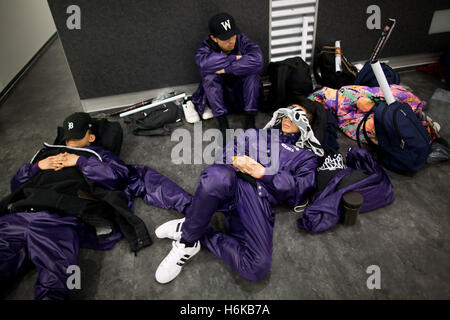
(71, 196)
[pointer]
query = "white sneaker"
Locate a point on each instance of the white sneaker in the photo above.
(172, 264)
(190, 114)
(171, 229)
(207, 114)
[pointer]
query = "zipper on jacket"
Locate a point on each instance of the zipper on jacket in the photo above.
(72, 148)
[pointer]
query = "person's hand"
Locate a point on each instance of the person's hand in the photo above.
(67, 160)
(50, 163)
(222, 71)
(238, 57)
(58, 162)
(249, 166)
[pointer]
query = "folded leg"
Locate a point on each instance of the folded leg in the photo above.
(216, 190)
(213, 86)
(247, 248)
(251, 90)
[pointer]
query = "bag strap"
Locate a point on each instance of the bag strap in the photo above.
(154, 132)
(335, 50)
(363, 124)
(328, 49)
(348, 65)
(165, 130)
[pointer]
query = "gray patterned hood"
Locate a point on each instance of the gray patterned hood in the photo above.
(306, 139)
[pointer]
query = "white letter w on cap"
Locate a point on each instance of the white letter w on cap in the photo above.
(226, 25)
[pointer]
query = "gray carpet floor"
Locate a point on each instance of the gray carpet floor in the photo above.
(408, 240)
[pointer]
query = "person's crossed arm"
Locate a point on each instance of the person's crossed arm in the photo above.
(222, 71)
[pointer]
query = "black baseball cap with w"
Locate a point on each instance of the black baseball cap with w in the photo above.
(223, 26)
(76, 125)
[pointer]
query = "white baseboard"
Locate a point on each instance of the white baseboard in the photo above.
(407, 61)
(123, 100)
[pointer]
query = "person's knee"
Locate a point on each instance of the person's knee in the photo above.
(218, 180)
(257, 269)
(212, 79)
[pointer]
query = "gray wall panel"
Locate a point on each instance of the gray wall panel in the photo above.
(134, 45)
(346, 20)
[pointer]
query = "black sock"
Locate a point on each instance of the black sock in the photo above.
(187, 243)
(223, 126)
(249, 120)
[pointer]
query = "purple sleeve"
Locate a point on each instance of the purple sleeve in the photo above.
(252, 58)
(210, 61)
(25, 173)
(293, 185)
(111, 173)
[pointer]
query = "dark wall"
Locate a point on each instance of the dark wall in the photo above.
(345, 20)
(134, 45)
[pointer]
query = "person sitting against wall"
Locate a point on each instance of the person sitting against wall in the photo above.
(230, 65)
(245, 190)
(71, 195)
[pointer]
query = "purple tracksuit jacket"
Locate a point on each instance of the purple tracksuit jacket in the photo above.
(324, 211)
(239, 87)
(52, 241)
(247, 246)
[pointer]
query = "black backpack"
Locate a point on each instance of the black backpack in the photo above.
(325, 63)
(159, 120)
(289, 78)
(108, 135)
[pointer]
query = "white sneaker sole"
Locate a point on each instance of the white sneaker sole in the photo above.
(162, 232)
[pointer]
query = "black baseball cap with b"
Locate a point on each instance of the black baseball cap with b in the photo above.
(223, 26)
(76, 125)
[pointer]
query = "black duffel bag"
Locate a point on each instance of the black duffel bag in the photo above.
(325, 64)
(159, 120)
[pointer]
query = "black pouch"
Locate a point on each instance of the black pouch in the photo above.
(159, 120)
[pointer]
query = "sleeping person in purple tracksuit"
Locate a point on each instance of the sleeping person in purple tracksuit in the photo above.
(230, 65)
(268, 167)
(71, 196)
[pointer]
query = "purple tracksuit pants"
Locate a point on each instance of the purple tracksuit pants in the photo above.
(228, 93)
(50, 241)
(247, 246)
